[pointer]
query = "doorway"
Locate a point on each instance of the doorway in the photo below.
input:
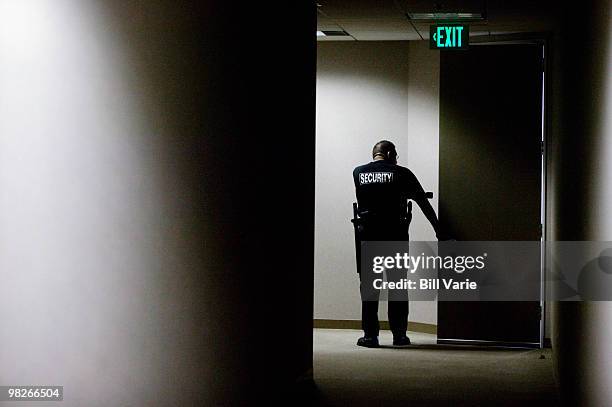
(491, 175)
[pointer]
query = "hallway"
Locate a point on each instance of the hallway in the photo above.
(424, 374)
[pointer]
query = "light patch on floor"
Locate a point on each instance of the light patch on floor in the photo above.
(426, 374)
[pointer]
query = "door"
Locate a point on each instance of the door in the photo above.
(491, 174)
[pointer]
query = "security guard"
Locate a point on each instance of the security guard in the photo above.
(383, 189)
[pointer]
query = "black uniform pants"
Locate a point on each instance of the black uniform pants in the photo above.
(397, 301)
(397, 311)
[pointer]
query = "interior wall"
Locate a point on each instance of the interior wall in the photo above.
(581, 196)
(144, 237)
(366, 92)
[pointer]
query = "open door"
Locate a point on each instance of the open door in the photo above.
(491, 175)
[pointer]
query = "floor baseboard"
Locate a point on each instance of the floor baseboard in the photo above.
(356, 324)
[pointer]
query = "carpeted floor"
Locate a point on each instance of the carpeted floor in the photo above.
(426, 374)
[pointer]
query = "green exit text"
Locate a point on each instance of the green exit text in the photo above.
(449, 36)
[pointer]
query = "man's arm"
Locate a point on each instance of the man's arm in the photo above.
(429, 213)
(421, 200)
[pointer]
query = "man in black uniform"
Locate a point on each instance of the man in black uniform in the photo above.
(383, 189)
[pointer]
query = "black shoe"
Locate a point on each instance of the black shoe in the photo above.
(401, 341)
(368, 342)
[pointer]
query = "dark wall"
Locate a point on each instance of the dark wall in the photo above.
(236, 83)
(580, 194)
(158, 208)
(249, 112)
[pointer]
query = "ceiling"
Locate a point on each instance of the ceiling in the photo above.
(385, 20)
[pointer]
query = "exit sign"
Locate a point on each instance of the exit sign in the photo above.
(449, 36)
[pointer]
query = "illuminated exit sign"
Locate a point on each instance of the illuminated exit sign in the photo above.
(449, 36)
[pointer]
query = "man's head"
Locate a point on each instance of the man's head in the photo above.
(385, 150)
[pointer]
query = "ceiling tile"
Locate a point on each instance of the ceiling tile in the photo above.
(360, 8)
(369, 29)
(430, 6)
(325, 24)
(384, 36)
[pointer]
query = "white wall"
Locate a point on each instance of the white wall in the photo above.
(366, 92)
